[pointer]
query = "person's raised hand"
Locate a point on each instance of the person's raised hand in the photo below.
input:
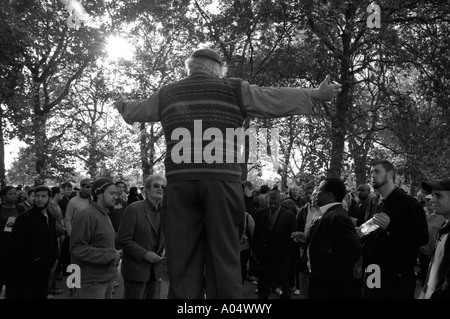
(326, 90)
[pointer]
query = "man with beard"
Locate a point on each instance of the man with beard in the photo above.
(34, 243)
(394, 245)
(92, 243)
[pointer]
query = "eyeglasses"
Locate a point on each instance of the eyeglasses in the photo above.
(156, 185)
(86, 186)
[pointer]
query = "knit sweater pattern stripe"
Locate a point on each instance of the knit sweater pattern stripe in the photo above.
(190, 108)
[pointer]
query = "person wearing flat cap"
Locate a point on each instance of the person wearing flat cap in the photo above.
(92, 244)
(437, 282)
(204, 200)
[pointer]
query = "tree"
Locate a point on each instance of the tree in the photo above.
(55, 56)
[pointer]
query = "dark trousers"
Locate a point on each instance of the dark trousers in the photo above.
(294, 268)
(271, 274)
(203, 223)
(6, 275)
(140, 290)
(24, 289)
(399, 284)
(424, 263)
(320, 287)
(65, 254)
(245, 258)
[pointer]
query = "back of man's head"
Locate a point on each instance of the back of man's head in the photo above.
(337, 187)
(264, 189)
(206, 60)
(55, 191)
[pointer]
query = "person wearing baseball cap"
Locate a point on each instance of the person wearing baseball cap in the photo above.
(204, 188)
(437, 282)
(92, 244)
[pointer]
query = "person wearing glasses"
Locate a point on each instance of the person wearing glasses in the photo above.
(142, 241)
(92, 243)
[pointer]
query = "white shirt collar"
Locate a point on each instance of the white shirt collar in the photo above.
(324, 208)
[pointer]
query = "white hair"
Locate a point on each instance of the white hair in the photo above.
(149, 180)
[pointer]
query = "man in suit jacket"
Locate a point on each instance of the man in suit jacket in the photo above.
(34, 243)
(141, 238)
(271, 245)
(334, 245)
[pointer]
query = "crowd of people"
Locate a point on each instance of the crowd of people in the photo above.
(332, 255)
(307, 237)
(200, 231)
(54, 227)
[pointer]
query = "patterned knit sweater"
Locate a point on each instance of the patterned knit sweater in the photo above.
(199, 115)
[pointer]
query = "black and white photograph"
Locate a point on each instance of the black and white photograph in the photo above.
(231, 157)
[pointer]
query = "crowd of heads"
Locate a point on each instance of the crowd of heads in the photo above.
(87, 187)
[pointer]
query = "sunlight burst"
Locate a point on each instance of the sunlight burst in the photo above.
(119, 48)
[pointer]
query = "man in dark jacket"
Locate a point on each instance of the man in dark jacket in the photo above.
(394, 246)
(142, 239)
(272, 244)
(34, 242)
(333, 247)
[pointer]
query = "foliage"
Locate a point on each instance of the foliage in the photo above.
(58, 88)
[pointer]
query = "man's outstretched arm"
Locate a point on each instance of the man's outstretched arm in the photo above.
(274, 102)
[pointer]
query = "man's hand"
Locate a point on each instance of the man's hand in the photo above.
(299, 236)
(152, 257)
(326, 90)
(117, 257)
(381, 220)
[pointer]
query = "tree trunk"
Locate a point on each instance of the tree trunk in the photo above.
(147, 149)
(2, 149)
(344, 99)
(40, 145)
(337, 140)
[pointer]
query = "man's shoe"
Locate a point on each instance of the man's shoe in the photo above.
(296, 292)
